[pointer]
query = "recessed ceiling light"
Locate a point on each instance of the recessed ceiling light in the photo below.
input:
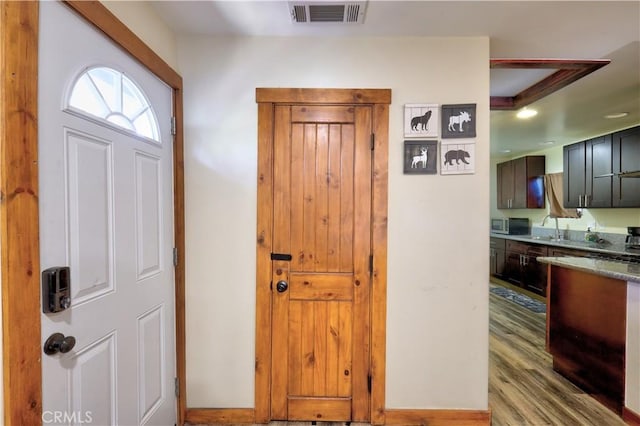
(617, 115)
(547, 143)
(505, 151)
(526, 113)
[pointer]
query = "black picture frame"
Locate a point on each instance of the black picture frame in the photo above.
(458, 121)
(420, 157)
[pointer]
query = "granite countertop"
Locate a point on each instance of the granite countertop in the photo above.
(625, 271)
(615, 249)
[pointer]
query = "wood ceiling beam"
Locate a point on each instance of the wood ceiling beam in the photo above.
(568, 71)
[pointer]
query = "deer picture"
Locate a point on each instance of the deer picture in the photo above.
(420, 158)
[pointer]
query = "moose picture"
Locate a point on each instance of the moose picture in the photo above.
(420, 157)
(421, 120)
(457, 158)
(459, 121)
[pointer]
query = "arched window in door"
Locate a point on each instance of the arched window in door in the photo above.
(112, 98)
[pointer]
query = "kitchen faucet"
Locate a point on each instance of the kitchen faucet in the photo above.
(557, 235)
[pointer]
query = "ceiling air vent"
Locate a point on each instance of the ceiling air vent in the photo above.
(318, 11)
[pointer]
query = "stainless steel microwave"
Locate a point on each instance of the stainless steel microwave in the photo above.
(510, 225)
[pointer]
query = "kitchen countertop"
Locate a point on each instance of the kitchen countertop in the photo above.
(610, 249)
(625, 271)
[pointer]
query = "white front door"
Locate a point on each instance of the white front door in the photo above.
(106, 212)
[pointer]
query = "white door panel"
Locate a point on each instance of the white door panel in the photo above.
(90, 216)
(106, 211)
(148, 185)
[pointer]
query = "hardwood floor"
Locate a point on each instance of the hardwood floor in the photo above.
(523, 388)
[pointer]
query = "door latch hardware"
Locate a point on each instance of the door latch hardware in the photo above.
(282, 286)
(58, 343)
(281, 256)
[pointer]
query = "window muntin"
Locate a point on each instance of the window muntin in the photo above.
(112, 97)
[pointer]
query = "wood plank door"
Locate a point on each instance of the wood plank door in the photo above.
(321, 296)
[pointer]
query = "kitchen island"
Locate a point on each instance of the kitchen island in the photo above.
(512, 258)
(593, 328)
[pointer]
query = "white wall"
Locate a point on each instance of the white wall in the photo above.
(1, 353)
(437, 354)
(143, 20)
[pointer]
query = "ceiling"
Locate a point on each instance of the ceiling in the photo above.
(583, 30)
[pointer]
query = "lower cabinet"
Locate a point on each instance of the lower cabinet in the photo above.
(566, 252)
(522, 269)
(496, 257)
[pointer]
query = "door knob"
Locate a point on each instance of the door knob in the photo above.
(282, 286)
(58, 343)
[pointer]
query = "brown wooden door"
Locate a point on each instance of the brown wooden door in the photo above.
(322, 218)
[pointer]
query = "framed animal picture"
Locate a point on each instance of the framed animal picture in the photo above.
(458, 121)
(420, 157)
(421, 120)
(458, 158)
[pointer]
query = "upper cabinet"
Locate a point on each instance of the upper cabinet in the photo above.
(597, 172)
(588, 173)
(626, 160)
(520, 183)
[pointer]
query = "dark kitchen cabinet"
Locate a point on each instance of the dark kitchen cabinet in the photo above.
(505, 184)
(598, 166)
(588, 174)
(496, 256)
(535, 272)
(513, 266)
(522, 267)
(586, 332)
(574, 174)
(626, 159)
(566, 252)
(520, 183)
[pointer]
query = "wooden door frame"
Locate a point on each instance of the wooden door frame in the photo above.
(19, 217)
(267, 98)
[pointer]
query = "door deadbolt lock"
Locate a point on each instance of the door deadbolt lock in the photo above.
(282, 286)
(57, 342)
(56, 289)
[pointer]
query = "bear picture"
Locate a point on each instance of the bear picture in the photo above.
(457, 158)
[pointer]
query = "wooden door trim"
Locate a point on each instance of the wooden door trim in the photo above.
(323, 96)
(19, 213)
(441, 417)
(267, 98)
(19, 216)
(380, 193)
